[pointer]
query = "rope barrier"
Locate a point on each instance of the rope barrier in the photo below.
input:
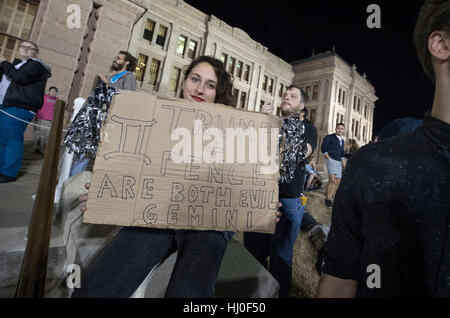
(28, 122)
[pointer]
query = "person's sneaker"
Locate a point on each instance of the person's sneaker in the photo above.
(4, 178)
(318, 235)
(328, 203)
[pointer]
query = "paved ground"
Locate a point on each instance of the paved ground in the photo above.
(16, 205)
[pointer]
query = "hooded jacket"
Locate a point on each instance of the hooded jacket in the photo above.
(27, 87)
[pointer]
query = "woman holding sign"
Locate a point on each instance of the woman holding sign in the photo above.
(124, 264)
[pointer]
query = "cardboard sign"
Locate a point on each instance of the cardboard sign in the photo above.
(168, 163)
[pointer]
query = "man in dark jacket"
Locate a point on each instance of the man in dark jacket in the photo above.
(22, 89)
(333, 150)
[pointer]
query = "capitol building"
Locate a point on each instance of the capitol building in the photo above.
(165, 36)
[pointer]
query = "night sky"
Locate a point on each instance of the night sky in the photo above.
(292, 29)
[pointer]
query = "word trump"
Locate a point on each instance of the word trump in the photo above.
(236, 141)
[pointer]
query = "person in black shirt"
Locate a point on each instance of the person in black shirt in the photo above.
(280, 245)
(391, 216)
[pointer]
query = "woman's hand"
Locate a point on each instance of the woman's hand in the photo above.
(278, 214)
(83, 198)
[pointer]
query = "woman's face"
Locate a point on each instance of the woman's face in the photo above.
(200, 85)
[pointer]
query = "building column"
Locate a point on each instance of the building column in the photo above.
(166, 67)
(255, 87)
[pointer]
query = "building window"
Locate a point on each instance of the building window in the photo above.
(239, 68)
(342, 119)
(343, 97)
(315, 92)
(308, 92)
(354, 102)
(192, 49)
(359, 105)
(181, 46)
(364, 133)
(339, 96)
(312, 116)
(264, 84)
(16, 20)
(243, 99)
(280, 92)
(337, 118)
(353, 127)
(162, 33)
(231, 64)
(149, 29)
(174, 79)
(270, 88)
(247, 73)
(224, 59)
(365, 111)
(356, 129)
(235, 97)
(141, 66)
(154, 70)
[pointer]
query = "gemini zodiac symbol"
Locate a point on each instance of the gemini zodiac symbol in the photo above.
(131, 147)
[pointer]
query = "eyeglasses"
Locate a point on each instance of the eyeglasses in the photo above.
(25, 47)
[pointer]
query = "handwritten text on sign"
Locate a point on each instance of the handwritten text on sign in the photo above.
(139, 179)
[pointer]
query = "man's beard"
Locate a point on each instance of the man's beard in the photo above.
(286, 113)
(116, 67)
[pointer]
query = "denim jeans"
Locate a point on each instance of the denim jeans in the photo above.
(11, 139)
(280, 245)
(124, 263)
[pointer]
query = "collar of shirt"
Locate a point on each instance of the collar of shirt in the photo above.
(341, 140)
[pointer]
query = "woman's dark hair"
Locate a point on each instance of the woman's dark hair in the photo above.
(132, 61)
(224, 82)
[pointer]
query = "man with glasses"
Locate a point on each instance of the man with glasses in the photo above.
(22, 89)
(122, 77)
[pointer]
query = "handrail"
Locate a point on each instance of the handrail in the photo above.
(34, 266)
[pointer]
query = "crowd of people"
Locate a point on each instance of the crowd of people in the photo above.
(389, 199)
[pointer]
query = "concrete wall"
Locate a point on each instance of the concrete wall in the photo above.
(61, 46)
